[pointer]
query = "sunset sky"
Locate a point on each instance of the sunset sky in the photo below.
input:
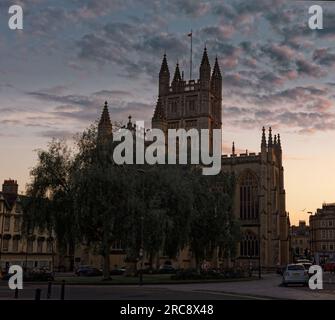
(74, 54)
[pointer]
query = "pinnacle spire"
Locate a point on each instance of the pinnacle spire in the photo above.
(216, 70)
(205, 60)
(105, 118)
(263, 144)
(177, 76)
(279, 142)
(233, 148)
(270, 137)
(105, 127)
(165, 66)
(275, 140)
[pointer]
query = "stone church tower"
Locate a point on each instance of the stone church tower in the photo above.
(259, 202)
(189, 104)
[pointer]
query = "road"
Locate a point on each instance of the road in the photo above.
(267, 288)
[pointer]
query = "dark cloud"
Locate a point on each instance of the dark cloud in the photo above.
(307, 68)
(57, 134)
(324, 56)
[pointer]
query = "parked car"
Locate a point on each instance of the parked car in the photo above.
(167, 269)
(295, 274)
(329, 266)
(118, 271)
(88, 271)
(34, 275)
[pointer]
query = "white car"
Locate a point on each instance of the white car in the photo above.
(295, 274)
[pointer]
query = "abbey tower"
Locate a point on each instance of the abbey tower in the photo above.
(259, 202)
(189, 104)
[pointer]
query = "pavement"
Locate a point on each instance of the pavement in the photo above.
(269, 287)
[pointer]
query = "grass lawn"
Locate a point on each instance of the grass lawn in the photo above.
(147, 279)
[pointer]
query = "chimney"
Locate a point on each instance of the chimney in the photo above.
(10, 187)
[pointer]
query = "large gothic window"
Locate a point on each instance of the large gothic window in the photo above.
(249, 245)
(249, 203)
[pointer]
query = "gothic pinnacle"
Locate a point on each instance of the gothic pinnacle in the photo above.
(177, 76)
(270, 137)
(263, 144)
(164, 67)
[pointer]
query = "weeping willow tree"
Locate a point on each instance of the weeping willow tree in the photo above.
(213, 225)
(49, 201)
(82, 196)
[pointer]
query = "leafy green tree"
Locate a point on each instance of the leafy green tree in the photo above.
(49, 201)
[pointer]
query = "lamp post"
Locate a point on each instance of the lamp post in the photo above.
(141, 253)
(259, 251)
(259, 238)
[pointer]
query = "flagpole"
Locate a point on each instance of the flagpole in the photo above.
(191, 58)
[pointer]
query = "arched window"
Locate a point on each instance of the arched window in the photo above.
(249, 197)
(249, 245)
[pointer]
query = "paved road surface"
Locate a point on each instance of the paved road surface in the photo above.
(267, 288)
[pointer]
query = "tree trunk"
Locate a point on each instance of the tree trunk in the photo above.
(106, 267)
(106, 254)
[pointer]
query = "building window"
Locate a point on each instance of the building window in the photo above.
(173, 125)
(191, 105)
(5, 244)
(330, 223)
(39, 246)
(324, 247)
(324, 235)
(249, 205)
(117, 245)
(17, 224)
(15, 245)
(49, 246)
(7, 223)
(331, 247)
(249, 246)
(191, 124)
(30, 246)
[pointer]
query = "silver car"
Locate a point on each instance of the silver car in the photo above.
(295, 274)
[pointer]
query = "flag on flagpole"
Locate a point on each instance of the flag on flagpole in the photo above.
(190, 34)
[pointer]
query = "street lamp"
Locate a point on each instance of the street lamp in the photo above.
(141, 253)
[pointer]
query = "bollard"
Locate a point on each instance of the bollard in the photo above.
(62, 291)
(38, 294)
(49, 290)
(16, 295)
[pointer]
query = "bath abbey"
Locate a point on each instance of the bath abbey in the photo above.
(259, 203)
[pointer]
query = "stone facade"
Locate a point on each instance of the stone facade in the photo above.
(33, 251)
(300, 240)
(322, 233)
(260, 192)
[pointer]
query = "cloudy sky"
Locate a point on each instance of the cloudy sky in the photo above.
(74, 54)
